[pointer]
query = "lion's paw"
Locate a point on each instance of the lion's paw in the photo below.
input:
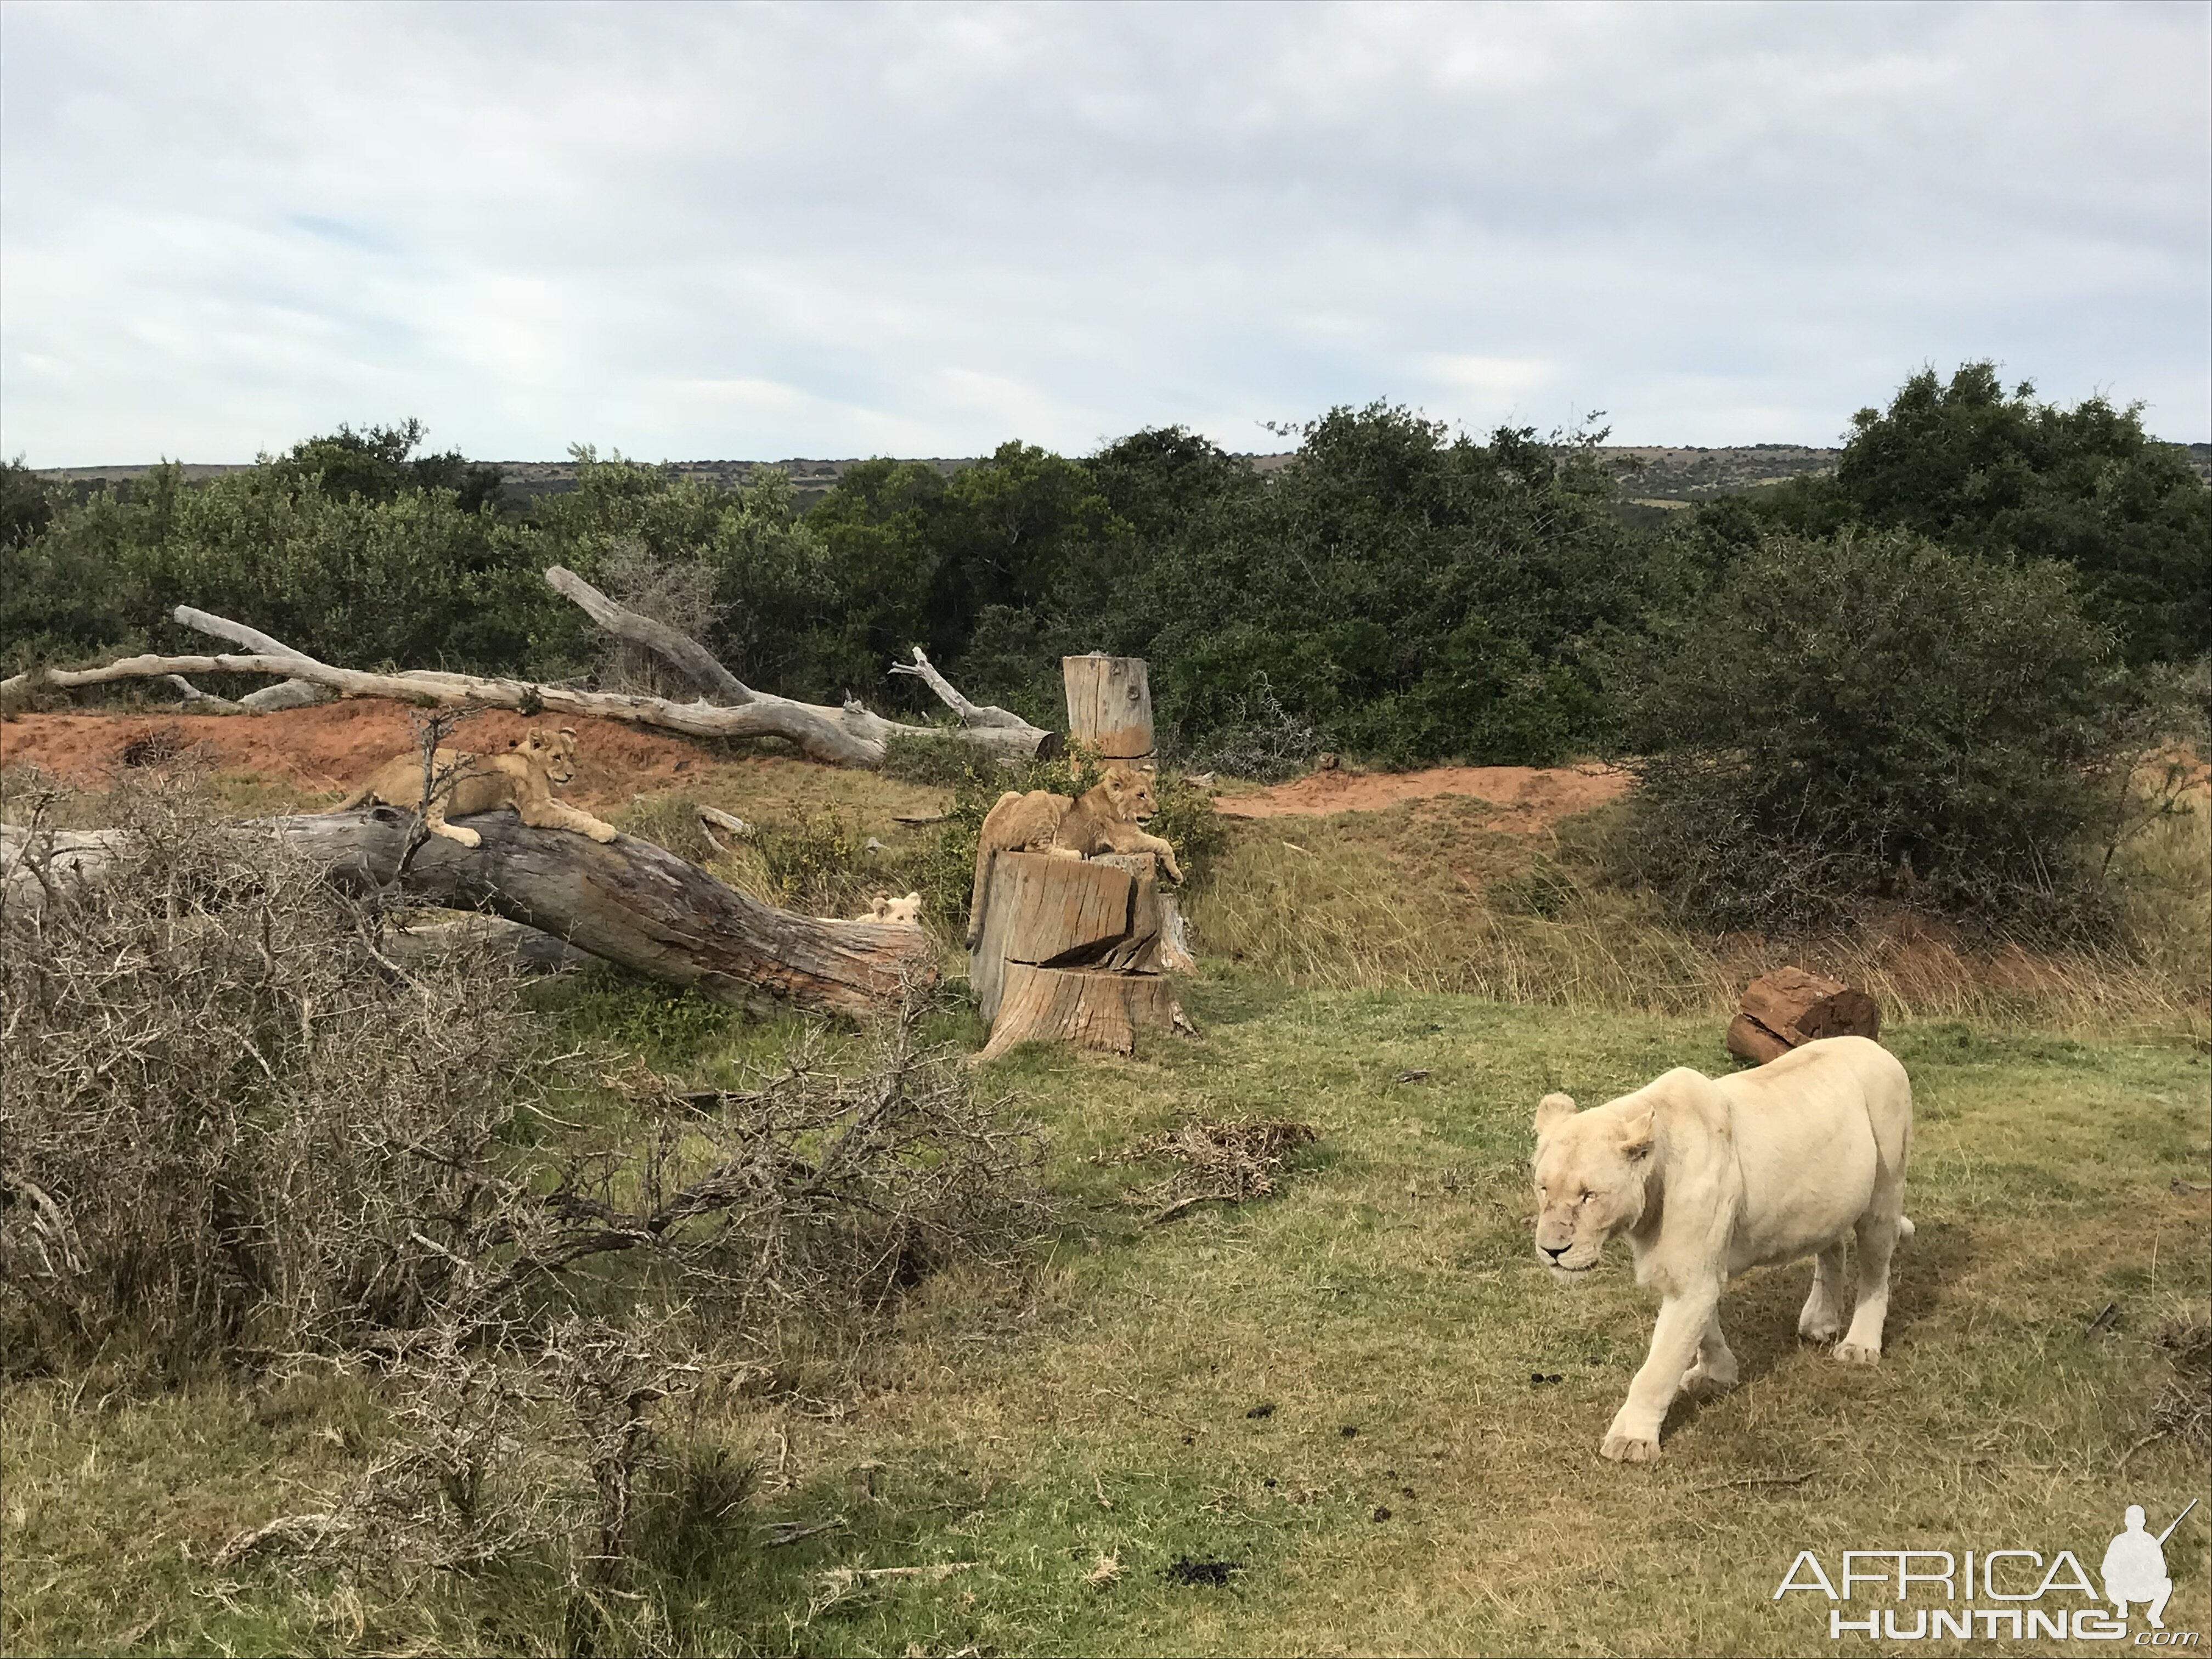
(1625, 1449)
(1699, 1383)
(604, 833)
(1859, 1353)
(466, 837)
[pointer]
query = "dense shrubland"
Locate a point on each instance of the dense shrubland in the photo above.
(1811, 670)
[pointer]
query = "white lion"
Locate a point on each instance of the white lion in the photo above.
(1709, 1177)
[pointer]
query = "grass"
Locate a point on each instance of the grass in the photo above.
(1108, 1407)
(1424, 897)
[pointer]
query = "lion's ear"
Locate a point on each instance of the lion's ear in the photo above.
(1636, 1134)
(915, 898)
(567, 730)
(882, 907)
(1551, 1111)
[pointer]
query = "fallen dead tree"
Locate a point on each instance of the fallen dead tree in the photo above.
(849, 735)
(629, 902)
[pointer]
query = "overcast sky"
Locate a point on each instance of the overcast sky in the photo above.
(700, 231)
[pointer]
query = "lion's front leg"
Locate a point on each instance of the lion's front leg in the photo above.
(1127, 838)
(557, 815)
(1634, 1435)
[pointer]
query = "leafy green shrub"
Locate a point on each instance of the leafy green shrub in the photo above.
(2004, 475)
(1875, 716)
(946, 764)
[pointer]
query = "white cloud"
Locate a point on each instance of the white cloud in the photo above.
(763, 231)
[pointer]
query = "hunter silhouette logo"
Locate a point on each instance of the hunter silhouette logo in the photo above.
(2135, 1567)
(2023, 1595)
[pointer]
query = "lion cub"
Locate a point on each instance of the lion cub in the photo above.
(1102, 819)
(899, 912)
(523, 778)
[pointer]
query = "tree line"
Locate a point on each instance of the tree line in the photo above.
(1397, 592)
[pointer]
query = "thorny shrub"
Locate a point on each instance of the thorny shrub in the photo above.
(231, 1127)
(225, 1115)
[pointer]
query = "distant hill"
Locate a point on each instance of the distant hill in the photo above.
(1653, 476)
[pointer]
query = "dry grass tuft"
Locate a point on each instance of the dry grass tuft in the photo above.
(1215, 1162)
(1423, 897)
(2184, 1406)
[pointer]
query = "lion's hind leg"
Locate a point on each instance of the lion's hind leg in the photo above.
(1715, 1371)
(1873, 1238)
(1822, 1317)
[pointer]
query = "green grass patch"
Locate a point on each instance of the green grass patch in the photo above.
(1149, 1395)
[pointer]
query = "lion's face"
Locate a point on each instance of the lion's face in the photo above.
(1130, 793)
(906, 911)
(1590, 1170)
(556, 751)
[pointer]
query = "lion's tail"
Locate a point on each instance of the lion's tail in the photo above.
(361, 796)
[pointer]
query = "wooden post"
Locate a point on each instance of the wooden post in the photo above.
(1072, 952)
(1109, 705)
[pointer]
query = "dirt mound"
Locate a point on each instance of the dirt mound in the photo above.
(329, 749)
(1531, 797)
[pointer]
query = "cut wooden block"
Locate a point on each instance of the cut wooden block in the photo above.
(1090, 1007)
(1109, 705)
(1138, 949)
(1780, 1010)
(1042, 910)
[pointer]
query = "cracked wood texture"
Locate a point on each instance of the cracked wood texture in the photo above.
(1109, 705)
(1090, 1007)
(627, 902)
(1071, 952)
(1780, 1010)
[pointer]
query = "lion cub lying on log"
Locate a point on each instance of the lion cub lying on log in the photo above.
(1102, 819)
(1710, 1177)
(523, 777)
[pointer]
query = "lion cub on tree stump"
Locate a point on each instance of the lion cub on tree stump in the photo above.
(522, 778)
(1102, 819)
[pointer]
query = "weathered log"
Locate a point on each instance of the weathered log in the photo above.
(995, 729)
(531, 948)
(1109, 705)
(850, 736)
(1780, 1010)
(1070, 951)
(677, 649)
(627, 902)
(1090, 1007)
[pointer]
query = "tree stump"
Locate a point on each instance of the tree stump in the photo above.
(1072, 951)
(1780, 1010)
(1109, 705)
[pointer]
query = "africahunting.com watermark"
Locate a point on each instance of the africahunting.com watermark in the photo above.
(2012, 1595)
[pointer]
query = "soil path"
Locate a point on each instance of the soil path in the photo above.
(328, 749)
(331, 747)
(1532, 798)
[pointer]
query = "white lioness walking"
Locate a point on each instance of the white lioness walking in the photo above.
(1709, 1176)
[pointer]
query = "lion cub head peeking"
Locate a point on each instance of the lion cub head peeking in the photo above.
(1102, 819)
(522, 777)
(899, 912)
(1590, 1170)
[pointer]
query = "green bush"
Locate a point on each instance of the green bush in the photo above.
(2004, 475)
(1875, 716)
